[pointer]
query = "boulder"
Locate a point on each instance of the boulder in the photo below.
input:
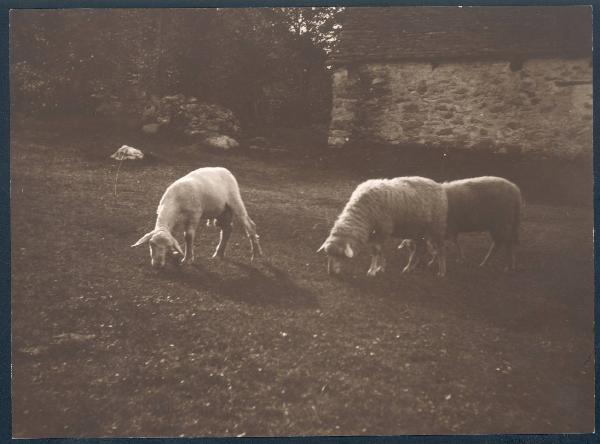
(187, 115)
(174, 113)
(127, 153)
(222, 141)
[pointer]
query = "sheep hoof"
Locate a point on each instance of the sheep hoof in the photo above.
(375, 271)
(187, 261)
(407, 269)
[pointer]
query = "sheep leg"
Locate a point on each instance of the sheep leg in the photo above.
(441, 257)
(189, 235)
(412, 262)
(413, 259)
(439, 253)
(370, 271)
(489, 254)
(432, 251)
(377, 265)
(225, 223)
(461, 256)
(377, 261)
(255, 248)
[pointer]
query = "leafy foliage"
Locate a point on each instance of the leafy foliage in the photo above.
(267, 64)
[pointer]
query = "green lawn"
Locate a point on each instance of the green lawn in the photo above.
(103, 345)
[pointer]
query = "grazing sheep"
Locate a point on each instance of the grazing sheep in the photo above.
(206, 193)
(410, 207)
(480, 204)
(486, 203)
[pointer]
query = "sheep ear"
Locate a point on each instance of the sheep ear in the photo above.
(348, 251)
(143, 239)
(322, 247)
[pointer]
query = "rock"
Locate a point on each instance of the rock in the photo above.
(176, 113)
(222, 142)
(194, 118)
(127, 153)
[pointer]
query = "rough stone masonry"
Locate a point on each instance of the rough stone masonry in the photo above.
(534, 106)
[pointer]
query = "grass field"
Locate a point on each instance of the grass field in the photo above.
(103, 345)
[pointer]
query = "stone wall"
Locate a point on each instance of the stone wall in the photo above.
(539, 107)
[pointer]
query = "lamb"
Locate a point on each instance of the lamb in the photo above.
(206, 193)
(416, 252)
(479, 204)
(410, 207)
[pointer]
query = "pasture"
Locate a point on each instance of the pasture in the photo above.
(103, 345)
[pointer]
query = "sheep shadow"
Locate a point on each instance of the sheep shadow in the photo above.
(242, 282)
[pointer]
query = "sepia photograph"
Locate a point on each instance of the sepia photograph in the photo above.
(301, 221)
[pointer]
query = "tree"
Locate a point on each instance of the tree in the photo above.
(259, 62)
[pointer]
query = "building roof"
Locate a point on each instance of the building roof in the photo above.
(444, 33)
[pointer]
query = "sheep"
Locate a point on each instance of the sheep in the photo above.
(416, 250)
(486, 203)
(379, 208)
(419, 248)
(210, 193)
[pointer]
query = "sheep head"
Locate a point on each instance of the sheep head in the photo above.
(161, 242)
(409, 244)
(337, 251)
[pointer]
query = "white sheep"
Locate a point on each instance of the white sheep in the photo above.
(206, 193)
(479, 204)
(410, 207)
